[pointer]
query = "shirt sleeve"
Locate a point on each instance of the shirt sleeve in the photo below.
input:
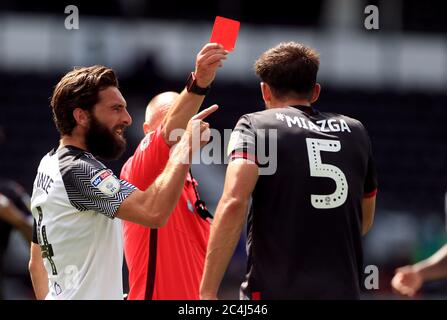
(148, 161)
(4, 202)
(242, 143)
(35, 232)
(371, 183)
(91, 186)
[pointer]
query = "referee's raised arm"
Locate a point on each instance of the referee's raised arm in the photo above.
(208, 60)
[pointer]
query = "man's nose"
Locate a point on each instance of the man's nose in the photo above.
(127, 118)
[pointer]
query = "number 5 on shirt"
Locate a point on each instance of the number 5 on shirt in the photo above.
(320, 169)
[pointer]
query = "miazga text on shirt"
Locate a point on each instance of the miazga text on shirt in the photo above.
(324, 125)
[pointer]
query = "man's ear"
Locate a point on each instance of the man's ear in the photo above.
(266, 92)
(315, 92)
(146, 128)
(81, 117)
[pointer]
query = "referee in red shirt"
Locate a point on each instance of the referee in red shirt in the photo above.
(167, 263)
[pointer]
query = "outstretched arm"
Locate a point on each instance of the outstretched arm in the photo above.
(209, 59)
(12, 215)
(409, 279)
(152, 207)
(228, 222)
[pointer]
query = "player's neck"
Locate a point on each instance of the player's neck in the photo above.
(72, 140)
(288, 102)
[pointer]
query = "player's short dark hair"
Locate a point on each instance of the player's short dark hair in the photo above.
(289, 68)
(79, 88)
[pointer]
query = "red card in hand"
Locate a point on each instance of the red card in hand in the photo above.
(225, 32)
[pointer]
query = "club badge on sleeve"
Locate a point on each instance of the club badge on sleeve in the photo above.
(106, 182)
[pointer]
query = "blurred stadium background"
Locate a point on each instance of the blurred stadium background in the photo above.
(393, 79)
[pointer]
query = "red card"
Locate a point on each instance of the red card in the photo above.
(225, 32)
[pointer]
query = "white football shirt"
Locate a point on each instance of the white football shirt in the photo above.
(74, 201)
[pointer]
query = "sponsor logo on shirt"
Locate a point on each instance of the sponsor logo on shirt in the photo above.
(57, 289)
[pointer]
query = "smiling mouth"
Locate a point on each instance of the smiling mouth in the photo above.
(119, 132)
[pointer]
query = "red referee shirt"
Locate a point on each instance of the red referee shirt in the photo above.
(165, 263)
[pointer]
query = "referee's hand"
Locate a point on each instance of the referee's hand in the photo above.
(197, 134)
(208, 60)
(199, 130)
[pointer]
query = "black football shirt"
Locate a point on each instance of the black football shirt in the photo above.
(305, 220)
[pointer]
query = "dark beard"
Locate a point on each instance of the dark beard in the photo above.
(102, 142)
